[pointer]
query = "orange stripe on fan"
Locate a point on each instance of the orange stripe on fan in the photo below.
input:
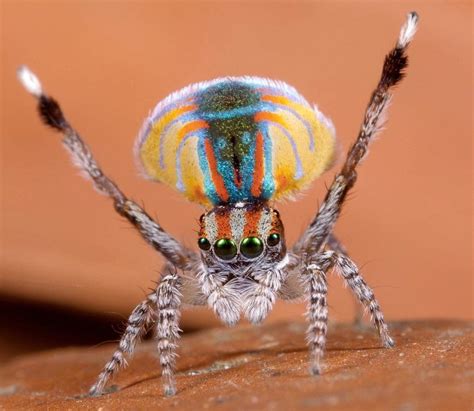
(278, 99)
(266, 116)
(174, 114)
(252, 220)
(192, 126)
(284, 101)
(216, 177)
(256, 189)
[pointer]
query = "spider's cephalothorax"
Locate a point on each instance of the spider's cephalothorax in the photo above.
(243, 235)
(243, 248)
(233, 145)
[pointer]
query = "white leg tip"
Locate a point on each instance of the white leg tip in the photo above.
(29, 80)
(169, 390)
(315, 370)
(408, 30)
(389, 343)
(94, 393)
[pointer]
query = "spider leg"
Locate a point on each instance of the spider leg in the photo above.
(334, 244)
(364, 293)
(139, 319)
(306, 275)
(315, 236)
(349, 271)
(167, 326)
(317, 315)
(82, 157)
(161, 306)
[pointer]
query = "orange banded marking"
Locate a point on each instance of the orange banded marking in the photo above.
(285, 101)
(173, 114)
(252, 222)
(192, 126)
(267, 116)
(277, 99)
(215, 176)
(224, 229)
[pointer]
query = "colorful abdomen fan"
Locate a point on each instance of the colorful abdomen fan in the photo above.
(235, 139)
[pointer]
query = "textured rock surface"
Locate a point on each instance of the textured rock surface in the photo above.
(263, 368)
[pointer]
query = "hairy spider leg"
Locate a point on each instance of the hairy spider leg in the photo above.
(312, 241)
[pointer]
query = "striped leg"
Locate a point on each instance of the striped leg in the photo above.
(168, 301)
(393, 71)
(317, 316)
(334, 244)
(141, 316)
(82, 157)
(364, 293)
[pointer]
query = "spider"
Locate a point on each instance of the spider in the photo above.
(233, 144)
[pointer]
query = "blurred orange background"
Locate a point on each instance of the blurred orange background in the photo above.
(407, 223)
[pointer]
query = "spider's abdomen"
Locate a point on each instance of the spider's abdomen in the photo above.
(235, 139)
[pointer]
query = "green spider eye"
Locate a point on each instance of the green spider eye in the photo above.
(225, 249)
(251, 247)
(273, 239)
(204, 244)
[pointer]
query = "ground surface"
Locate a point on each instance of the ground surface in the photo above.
(263, 368)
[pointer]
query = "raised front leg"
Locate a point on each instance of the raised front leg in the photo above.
(316, 235)
(82, 157)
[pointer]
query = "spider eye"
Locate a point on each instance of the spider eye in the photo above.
(251, 247)
(204, 244)
(273, 239)
(225, 249)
